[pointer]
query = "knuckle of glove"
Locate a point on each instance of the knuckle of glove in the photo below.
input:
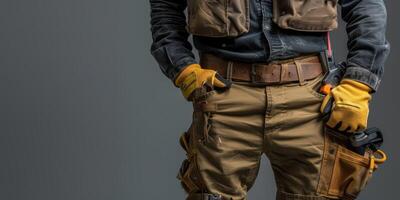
(193, 77)
(351, 117)
(350, 108)
(196, 80)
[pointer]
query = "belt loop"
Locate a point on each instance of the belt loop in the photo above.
(229, 71)
(299, 72)
(284, 69)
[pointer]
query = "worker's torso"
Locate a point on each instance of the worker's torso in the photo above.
(262, 42)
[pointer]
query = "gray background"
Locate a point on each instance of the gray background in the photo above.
(85, 113)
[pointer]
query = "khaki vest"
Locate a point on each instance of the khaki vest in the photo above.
(231, 18)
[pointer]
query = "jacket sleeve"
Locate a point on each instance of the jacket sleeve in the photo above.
(170, 45)
(367, 44)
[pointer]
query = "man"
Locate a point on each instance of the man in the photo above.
(256, 88)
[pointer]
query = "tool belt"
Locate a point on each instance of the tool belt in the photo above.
(277, 72)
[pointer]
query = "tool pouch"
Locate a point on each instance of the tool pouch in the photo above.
(218, 18)
(344, 173)
(189, 173)
(306, 15)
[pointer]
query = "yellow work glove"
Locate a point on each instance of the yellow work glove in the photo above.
(350, 107)
(194, 77)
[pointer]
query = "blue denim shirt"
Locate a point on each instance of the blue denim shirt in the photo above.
(365, 25)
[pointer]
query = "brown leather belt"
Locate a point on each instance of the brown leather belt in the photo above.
(277, 72)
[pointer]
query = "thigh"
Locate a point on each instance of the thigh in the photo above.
(226, 141)
(308, 161)
(295, 138)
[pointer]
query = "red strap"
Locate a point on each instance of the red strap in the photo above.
(328, 41)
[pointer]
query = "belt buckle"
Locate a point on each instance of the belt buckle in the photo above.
(253, 75)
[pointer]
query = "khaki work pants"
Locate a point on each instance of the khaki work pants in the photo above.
(232, 129)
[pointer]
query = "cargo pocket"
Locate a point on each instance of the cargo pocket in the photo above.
(308, 16)
(188, 173)
(189, 176)
(218, 18)
(344, 173)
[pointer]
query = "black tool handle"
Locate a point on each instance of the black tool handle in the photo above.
(328, 109)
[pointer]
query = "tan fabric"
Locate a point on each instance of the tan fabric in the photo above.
(232, 129)
(218, 18)
(344, 173)
(310, 15)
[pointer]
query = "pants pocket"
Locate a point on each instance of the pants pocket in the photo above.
(189, 173)
(313, 87)
(200, 95)
(350, 173)
(203, 107)
(344, 173)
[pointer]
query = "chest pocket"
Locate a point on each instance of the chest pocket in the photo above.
(218, 18)
(306, 15)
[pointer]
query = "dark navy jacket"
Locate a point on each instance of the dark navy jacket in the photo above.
(365, 26)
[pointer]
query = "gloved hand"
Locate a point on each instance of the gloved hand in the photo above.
(350, 107)
(193, 77)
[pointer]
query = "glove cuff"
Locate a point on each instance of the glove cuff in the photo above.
(356, 84)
